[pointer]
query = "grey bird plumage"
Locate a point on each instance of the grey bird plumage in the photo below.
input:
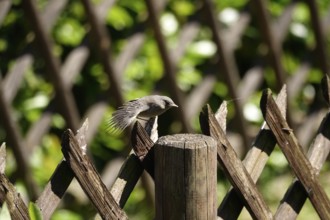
(145, 108)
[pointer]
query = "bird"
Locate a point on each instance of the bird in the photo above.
(142, 108)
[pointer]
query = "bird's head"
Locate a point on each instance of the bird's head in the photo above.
(157, 105)
(166, 103)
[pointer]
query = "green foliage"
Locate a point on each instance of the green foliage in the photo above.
(143, 76)
(65, 214)
(45, 158)
(182, 8)
(34, 212)
(69, 32)
(119, 18)
(220, 89)
(276, 7)
(221, 4)
(137, 206)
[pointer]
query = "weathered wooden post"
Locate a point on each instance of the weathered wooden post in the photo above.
(186, 177)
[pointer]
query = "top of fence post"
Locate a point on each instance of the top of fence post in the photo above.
(186, 177)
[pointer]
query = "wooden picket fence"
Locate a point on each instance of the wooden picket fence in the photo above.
(241, 174)
(62, 75)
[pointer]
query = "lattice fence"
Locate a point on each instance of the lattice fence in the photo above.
(242, 175)
(62, 74)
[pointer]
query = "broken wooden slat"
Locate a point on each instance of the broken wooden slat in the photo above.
(55, 189)
(233, 167)
(15, 203)
(143, 148)
(296, 196)
(89, 179)
(254, 162)
(294, 154)
(168, 65)
(8, 193)
(63, 94)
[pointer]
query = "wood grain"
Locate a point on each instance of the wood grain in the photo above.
(233, 167)
(185, 177)
(89, 179)
(294, 154)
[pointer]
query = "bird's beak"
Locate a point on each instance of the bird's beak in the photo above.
(174, 105)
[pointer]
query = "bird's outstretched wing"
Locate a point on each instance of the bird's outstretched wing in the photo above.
(126, 115)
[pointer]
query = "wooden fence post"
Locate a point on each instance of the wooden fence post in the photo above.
(186, 177)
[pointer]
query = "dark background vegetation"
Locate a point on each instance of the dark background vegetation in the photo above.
(298, 49)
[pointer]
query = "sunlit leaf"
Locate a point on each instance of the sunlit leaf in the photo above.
(34, 212)
(66, 214)
(119, 18)
(69, 32)
(183, 8)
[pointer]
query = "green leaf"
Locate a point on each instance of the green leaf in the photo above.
(3, 45)
(301, 13)
(69, 32)
(65, 214)
(183, 8)
(315, 76)
(34, 212)
(77, 10)
(119, 18)
(221, 89)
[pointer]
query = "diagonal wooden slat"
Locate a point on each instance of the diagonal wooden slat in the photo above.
(134, 43)
(254, 162)
(321, 51)
(102, 43)
(73, 65)
(16, 205)
(234, 34)
(51, 12)
(55, 189)
(281, 26)
(234, 169)
(16, 143)
(188, 32)
(4, 8)
(69, 70)
(296, 196)
(89, 179)
(8, 194)
(132, 169)
(250, 83)
(227, 67)
(275, 51)
(58, 184)
(294, 154)
(63, 94)
(199, 96)
(326, 89)
(102, 8)
(15, 76)
(167, 64)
